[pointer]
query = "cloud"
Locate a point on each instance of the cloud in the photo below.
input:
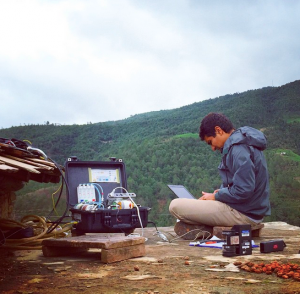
(75, 61)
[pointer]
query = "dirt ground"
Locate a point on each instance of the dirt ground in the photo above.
(171, 268)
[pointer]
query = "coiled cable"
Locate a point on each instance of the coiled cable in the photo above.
(40, 227)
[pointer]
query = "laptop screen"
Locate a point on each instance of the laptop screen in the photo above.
(181, 192)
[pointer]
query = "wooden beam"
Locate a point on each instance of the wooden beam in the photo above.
(22, 175)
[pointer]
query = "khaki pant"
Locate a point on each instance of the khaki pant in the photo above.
(207, 212)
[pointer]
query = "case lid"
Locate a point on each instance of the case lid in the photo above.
(108, 174)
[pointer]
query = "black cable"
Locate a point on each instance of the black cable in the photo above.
(149, 222)
(53, 227)
(57, 201)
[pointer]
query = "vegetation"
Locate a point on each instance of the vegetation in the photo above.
(163, 147)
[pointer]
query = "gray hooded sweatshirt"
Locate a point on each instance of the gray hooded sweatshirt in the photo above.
(244, 173)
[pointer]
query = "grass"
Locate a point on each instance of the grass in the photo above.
(188, 135)
(288, 154)
(292, 120)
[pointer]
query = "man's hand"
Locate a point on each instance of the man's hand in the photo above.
(208, 196)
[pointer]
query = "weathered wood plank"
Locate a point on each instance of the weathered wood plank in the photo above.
(28, 167)
(95, 241)
(8, 168)
(28, 161)
(14, 151)
(113, 248)
(123, 253)
(56, 171)
(42, 161)
(18, 164)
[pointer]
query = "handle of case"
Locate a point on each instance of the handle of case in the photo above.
(120, 226)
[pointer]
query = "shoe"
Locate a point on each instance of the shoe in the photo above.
(192, 232)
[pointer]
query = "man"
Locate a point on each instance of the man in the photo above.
(243, 197)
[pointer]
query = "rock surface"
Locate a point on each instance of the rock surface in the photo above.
(164, 269)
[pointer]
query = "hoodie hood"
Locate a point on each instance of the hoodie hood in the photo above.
(248, 136)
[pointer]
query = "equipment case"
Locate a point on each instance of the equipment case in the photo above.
(105, 177)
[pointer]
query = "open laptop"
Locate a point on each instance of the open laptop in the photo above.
(181, 192)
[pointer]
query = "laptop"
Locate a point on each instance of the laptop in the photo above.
(181, 192)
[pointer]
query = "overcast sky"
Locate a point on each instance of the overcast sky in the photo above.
(81, 61)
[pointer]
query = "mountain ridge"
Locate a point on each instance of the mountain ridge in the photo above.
(162, 147)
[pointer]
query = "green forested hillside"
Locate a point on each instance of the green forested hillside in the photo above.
(163, 147)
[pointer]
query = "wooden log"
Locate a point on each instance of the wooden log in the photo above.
(257, 231)
(7, 205)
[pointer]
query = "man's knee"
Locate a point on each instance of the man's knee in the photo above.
(174, 205)
(171, 206)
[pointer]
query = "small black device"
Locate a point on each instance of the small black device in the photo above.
(272, 246)
(238, 241)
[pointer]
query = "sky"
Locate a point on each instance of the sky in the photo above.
(87, 61)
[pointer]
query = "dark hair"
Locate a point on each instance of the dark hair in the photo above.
(210, 121)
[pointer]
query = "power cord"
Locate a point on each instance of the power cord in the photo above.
(40, 232)
(201, 232)
(158, 233)
(56, 223)
(135, 205)
(170, 240)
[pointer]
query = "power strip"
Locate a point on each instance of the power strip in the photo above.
(121, 195)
